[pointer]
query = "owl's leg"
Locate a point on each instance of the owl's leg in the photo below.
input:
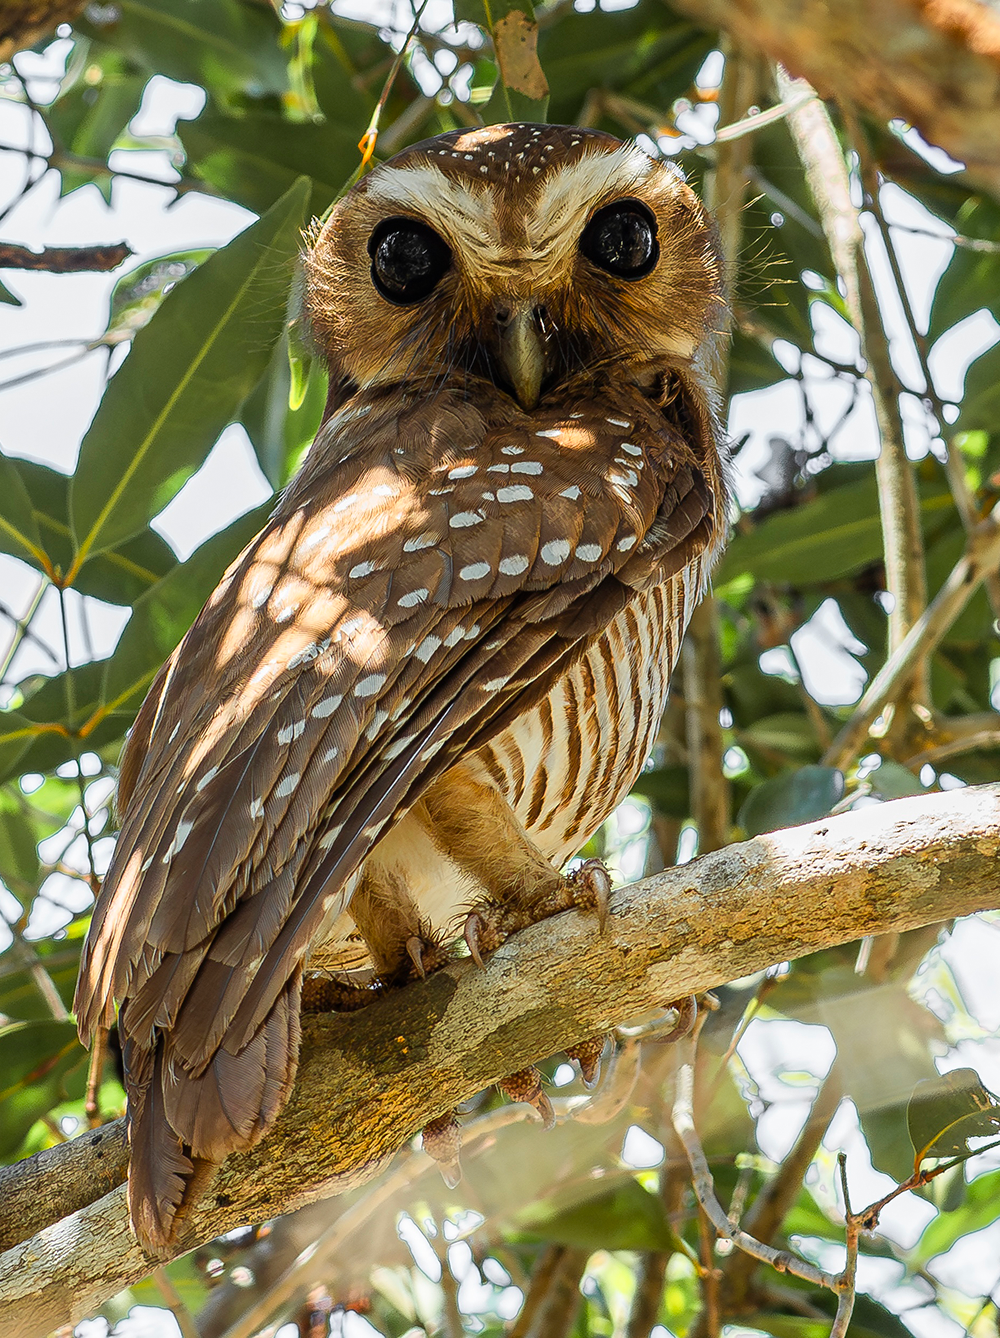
(402, 944)
(471, 821)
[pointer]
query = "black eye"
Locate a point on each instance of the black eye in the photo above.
(622, 239)
(408, 259)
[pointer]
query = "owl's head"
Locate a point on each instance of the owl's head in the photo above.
(527, 254)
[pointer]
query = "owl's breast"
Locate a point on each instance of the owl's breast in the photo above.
(566, 764)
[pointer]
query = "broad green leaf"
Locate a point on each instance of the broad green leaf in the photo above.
(16, 737)
(185, 378)
(162, 616)
(281, 419)
(18, 855)
(9, 298)
(787, 733)
(788, 800)
(648, 53)
(254, 158)
(626, 1217)
(972, 279)
(18, 528)
(891, 780)
(830, 536)
(944, 1113)
(20, 997)
(979, 1208)
(869, 1320)
(44, 720)
(121, 574)
(981, 397)
(101, 95)
(751, 366)
(227, 47)
(41, 1064)
(137, 295)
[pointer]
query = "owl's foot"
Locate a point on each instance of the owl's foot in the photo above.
(426, 954)
(526, 1085)
(490, 922)
(588, 1056)
(687, 1013)
(442, 1140)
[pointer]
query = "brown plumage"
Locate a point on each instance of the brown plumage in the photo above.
(441, 664)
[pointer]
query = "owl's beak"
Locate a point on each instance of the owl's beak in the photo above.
(522, 352)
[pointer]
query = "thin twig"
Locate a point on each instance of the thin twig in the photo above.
(846, 1281)
(175, 1303)
(704, 1187)
(982, 555)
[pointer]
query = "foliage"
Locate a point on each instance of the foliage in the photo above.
(212, 340)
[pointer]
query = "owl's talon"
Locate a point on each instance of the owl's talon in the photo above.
(526, 1085)
(588, 1056)
(687, 1013)
(592, 884)
(473, 925)
(415, 951)
(442, 1139)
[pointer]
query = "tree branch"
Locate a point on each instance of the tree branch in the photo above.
(935, 66)
(368, 1081)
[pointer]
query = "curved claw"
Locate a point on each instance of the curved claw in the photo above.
(415, 952)
(594, 883)
(471, 932)
(442, 1140)
(526, 1086)
(588, 1055)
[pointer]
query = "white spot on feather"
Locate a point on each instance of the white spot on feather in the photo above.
(425, 540)
(572, 492)
(625, 544)
(630, 448)
(515, 494)
(286, 787)
(208, 777)
(369, 685)
(465, 519)
(413, 597)
(588, 552)
(555, 551)
(256, 809)
(427, 648)
(462, 471)
(526, 467)
(475, 571)
(362, 569)
(512, 450)
(289, 733)
(327, 706)
(514, 565)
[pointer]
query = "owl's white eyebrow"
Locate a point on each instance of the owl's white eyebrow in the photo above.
(567, 196)
(458, 210)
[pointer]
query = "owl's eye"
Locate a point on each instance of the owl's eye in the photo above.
(408, 260)
(622, 239)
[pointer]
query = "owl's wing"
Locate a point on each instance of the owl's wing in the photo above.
(435, 564)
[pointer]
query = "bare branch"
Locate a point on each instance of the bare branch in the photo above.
(826, 173)
(368, 1081)
(64, 259)
(934, 66)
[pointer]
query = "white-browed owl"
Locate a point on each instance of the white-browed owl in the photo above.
(442, 663)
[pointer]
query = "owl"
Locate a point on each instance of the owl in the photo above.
(441, 664)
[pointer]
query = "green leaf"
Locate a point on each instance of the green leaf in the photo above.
(666, 788)
(41, 1064)
(972, 279)
(19, 534)
(118, 576)
(981, 396)
(254, 158)
(16, 737)
(891, 780)
(944, 1113)
(185, 378)
(788, 800)
(831, 535)
(165, 612)
(979, 1208)
(626, 1217)
(282, 417)
(137, 295)
(20, 997)
(18, 852)
(9, 298)
(788, 732)
(225, 46)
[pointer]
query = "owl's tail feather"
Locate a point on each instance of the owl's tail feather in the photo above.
(182, 1127)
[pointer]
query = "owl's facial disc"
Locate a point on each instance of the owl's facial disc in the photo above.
(526, 255)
